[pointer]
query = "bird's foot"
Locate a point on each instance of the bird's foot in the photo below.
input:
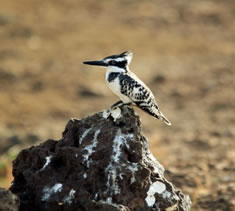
(125, 104)
(119, 104)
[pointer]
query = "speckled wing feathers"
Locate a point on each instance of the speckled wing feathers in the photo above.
(136, 91)
(140, 95)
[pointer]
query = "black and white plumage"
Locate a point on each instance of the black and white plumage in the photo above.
(126, 85)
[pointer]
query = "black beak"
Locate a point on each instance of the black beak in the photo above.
(96, 63)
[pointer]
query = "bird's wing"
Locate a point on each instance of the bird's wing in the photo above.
(141, 95)
(136, 90)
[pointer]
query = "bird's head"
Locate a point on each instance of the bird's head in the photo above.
(116, 63)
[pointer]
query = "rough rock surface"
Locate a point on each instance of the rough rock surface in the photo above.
(8, 201)
(102, 162)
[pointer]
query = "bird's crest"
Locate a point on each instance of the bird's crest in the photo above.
(126, 55)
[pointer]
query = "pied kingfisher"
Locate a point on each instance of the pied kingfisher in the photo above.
(127, 86)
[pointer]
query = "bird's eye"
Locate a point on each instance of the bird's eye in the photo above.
(112, 62)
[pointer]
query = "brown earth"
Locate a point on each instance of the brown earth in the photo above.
(184, 50)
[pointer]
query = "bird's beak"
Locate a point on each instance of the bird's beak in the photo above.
(96, 63)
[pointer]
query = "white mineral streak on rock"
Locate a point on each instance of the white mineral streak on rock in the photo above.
(47, 192)
(68, 199)
(118, 142)
(188, 202)
(96, 196)
(106, 114)
(172, 208)
(84, 135)
(156, 187)
(133, 167)
(159, 187)
(90, 148)
(175, 197)
(109, 201)
(121, 176)
(150, 199)
(166, 194)
(116, 113)
(48, 160)
(111, 182)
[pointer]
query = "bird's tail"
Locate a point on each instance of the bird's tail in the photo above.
(166, 121)
(158, 114)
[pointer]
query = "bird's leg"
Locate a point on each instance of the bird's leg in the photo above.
(120, 104)
(117, 104)
(123, 104)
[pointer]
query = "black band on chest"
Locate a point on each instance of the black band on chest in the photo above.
(112, 76)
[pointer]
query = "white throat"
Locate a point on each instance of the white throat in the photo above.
(115, 69)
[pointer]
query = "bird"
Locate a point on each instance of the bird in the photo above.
(127, 86)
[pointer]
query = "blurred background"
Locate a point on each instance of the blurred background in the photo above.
(183, 50)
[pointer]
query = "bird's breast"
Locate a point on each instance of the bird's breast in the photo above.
(113, 82)
(114, 85)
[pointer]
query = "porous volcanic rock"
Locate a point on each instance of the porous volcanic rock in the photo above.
(102, 162)
(8, 201)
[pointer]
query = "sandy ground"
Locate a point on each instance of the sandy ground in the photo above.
(184, 51)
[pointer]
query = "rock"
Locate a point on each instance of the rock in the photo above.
(8, 201)
(102, 162)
